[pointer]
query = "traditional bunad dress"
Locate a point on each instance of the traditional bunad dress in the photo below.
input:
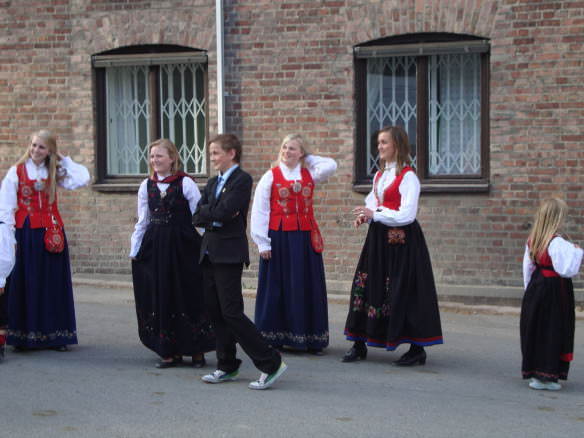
(291, 302)
(40, 307)
(393, 296)
(168, 286)
(547, 312)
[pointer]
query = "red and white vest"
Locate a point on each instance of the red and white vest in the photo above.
(391, 195)
(544, 263)
(33, 203)
(291, 202)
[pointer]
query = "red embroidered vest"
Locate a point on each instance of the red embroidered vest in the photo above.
(545, 265)
(33, 203)
(391, 195)
(291, 202)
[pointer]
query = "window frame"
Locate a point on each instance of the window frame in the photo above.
(422, 46)
(153, 56)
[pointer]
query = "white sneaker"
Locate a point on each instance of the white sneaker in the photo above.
(538, 384)
(219, 376)
(267, 380)
(553, 386)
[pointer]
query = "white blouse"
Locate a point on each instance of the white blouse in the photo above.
(76, 175)
(320, 168)
(191, 193)
(409, 190)
(566, 259)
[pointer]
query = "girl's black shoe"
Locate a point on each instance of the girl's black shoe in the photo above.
(356, 352)
(169, 363)
(411, 358)
(199, 363)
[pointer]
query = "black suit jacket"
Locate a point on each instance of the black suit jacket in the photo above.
(226, 244)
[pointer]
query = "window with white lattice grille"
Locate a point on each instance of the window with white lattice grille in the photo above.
(148, 93)
(436, 87)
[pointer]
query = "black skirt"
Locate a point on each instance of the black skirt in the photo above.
(168, 289)
(393, 296)
(547, 327)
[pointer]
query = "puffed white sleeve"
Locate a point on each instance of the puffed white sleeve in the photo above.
(191, 193)
(260, 212)
(8, 205)
(320, 168)
(566, 257)
(371, 200)
(409, 190)
(143, 220)
(528, 267)
(8, 197)
(76, 175)
(7, 252)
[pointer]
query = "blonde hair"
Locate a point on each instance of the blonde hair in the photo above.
(52, 161)
(400, 140)
(172, 153)
(549, 217)
(303, 147)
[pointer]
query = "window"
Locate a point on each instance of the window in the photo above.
(436, 87)
(145, 93)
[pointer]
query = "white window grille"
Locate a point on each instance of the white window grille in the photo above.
(454, 131)
(391, 100)
(454, 115)
(183, 112)
(128, 118)
(182, 116)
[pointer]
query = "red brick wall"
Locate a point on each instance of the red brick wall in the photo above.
(289, 68)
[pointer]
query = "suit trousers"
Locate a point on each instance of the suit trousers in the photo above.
(224, 300)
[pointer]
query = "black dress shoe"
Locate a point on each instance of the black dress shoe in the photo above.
(409, 359)
(169, 363)
(199, 363)
(354, 354)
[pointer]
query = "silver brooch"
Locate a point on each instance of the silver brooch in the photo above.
(39, 185)
(296, 187)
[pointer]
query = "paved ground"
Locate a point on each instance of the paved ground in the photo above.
(108, 387)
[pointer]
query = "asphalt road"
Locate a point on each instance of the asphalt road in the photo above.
(108, 387)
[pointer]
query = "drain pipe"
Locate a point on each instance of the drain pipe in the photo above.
(220, 60)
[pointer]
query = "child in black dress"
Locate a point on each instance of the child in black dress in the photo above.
(547, 312)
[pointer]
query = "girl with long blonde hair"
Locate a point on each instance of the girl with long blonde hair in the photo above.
(39, 294)
(291, 305)
(547, 311)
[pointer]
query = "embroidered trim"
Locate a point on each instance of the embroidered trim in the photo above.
(358, 302)
(396, 236)
(40, 336)
(289, 337)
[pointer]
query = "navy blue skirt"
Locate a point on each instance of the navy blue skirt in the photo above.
(291, 304)
(40, 308)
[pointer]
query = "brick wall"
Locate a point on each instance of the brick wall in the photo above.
(289, 68)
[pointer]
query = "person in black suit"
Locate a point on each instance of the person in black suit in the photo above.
(222, 211)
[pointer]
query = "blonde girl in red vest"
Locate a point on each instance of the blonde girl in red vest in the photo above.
(291, 304)
(38, 290)
(393, 297)
(547, 312)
